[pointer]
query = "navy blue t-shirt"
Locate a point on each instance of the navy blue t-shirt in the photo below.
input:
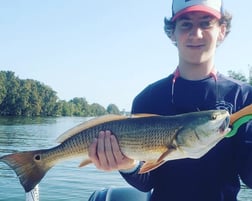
(215, 176)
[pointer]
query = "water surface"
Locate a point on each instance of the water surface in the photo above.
(65, 181)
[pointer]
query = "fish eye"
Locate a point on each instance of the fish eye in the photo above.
(37, 157)
(214, 116)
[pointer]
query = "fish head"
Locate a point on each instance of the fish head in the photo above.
(202, 132)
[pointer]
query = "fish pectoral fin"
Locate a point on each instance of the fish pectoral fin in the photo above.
(150, 165)
(166, 153)
(85, 162)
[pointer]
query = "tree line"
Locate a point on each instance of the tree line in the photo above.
(240, 76)
(28, 97)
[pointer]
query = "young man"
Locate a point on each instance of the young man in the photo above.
(197, 27)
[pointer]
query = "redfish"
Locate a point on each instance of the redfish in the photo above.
(151, 138)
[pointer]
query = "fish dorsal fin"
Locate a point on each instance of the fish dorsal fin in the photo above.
(141, 115)
(88, 124)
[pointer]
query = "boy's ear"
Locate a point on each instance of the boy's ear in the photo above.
(222, 32)
(173, 38)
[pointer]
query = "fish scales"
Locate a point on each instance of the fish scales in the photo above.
(128, 132)
(134, 136)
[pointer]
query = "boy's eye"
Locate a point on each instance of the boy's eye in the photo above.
(186, 25)
(205, 24)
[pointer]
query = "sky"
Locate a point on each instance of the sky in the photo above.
(104, 51)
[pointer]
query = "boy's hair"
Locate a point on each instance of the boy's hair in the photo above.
(169, 25)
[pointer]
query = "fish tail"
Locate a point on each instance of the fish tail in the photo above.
(29, 167)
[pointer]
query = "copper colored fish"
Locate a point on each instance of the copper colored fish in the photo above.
(150, 138)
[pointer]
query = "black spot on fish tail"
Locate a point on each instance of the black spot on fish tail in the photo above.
(27, 166)
(37, 157)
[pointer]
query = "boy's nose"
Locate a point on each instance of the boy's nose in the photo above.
(196, 32)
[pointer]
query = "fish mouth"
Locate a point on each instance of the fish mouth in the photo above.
(224, 126)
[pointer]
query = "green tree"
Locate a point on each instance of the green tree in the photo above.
(237, 76)
(97, 110)
(2, 86)
(48, 99)
(25, 97)
(81, 106)
(58, 108)
(9, 105)
(67, 108)
(113, 109)
(250, 75)
(32, 98)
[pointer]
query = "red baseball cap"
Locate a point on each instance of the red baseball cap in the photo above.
(212, 7)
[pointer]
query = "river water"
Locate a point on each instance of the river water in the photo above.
(65, 181)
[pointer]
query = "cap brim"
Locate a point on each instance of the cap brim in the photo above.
(199, 8)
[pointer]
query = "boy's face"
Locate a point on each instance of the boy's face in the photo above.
(196, 35)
